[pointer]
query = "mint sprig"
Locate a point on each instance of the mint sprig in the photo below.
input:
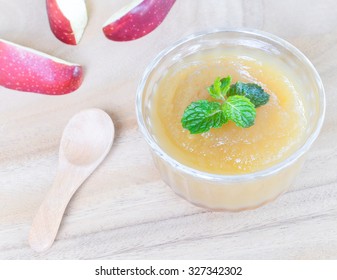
(237, 103)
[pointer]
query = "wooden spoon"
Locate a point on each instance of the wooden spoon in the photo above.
(86, 141)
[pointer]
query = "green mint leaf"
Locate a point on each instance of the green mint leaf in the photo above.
(220, 87)
(225, 85)
(253, 92)
(215, 89)
(202, 115)
(240, 110)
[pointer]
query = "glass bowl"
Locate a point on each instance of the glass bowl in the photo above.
(232, 192)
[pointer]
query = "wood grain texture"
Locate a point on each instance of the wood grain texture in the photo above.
(124, 211)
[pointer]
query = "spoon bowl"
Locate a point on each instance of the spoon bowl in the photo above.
(86, 137)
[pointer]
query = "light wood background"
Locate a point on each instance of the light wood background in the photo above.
(124, 211)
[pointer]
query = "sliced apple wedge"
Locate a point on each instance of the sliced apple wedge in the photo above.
(67, 19)
(25, 69)
(137, 19)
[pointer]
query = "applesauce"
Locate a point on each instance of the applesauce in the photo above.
(279, 126)
(231, 168)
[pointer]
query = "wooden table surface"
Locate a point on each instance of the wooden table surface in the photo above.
(124, 211)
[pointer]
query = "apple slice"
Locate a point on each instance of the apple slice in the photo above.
(25, 69)
(67, 19)
(137, 19)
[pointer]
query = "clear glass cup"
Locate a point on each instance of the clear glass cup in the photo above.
(232, 192)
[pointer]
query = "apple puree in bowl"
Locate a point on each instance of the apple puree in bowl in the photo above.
(279, 127)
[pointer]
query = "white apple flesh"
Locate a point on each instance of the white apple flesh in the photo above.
(67, 19)
(25, 69)
(137, 19)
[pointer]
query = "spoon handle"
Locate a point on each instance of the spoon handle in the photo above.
(49, 216)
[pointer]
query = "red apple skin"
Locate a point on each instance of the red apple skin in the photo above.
(139, 21)
(23, 70)
(59, 24)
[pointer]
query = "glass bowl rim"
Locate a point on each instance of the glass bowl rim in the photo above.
(223, 177)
